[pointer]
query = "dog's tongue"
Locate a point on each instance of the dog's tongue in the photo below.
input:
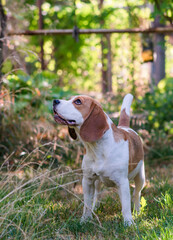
(59, 120)
(63, 121)
(71, 122)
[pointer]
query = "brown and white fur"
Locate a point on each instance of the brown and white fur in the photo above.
(114, 154)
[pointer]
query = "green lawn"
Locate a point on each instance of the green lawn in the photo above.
(47, 204)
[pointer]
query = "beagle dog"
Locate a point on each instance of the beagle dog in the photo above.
(113, 154)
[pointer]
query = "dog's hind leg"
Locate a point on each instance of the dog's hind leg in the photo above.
(139, 184)
(124, 193)
(96, 202)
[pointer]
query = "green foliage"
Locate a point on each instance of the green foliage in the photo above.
(158, 107)
(36, 91)
(160, 147)
(164, 9)
(79, 63)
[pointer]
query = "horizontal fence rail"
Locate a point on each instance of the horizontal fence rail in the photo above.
(165, 30)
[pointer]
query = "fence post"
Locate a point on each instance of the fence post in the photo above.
(109, 64)
(41, 26)
(3, 20)
(159, 50)
(2, 30)
(106, 57)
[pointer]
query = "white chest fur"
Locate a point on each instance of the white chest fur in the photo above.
(106, 159)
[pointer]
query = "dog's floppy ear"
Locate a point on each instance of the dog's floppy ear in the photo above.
(72, 133)
(95, 125)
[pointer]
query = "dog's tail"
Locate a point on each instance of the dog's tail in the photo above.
(125, 111)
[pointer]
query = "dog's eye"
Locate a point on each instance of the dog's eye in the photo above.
(78, 102)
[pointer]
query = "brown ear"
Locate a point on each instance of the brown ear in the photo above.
(72, 133)
(94, 126)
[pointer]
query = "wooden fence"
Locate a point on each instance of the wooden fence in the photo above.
(165, 30)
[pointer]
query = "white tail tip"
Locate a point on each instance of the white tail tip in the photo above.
(127, 101)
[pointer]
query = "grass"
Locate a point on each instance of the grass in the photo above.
(47, 204)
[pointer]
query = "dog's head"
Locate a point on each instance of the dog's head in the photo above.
(82, 112)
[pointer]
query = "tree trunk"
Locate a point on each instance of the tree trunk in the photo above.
(2, 30)
(106, 58)
(159, 54)
(3, 20)
(104, 70)
(41, 26)
(109, 64)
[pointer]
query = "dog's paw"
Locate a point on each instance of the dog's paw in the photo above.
(128, 222)
(96, 206)
(85, 218)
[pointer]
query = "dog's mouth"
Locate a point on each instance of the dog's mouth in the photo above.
(59, 119)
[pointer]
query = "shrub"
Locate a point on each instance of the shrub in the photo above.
(35, 91)
(158, 107)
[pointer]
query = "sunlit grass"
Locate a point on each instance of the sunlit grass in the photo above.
(49, 205)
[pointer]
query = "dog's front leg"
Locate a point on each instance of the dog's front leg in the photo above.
(124, 193)
(96, 202)
(88, 190)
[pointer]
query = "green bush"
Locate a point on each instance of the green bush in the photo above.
(35, 91)
(158, 107)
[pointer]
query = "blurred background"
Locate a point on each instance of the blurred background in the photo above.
(37, 68)
(44, 55)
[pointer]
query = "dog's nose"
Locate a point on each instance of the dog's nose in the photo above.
(56, 102)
